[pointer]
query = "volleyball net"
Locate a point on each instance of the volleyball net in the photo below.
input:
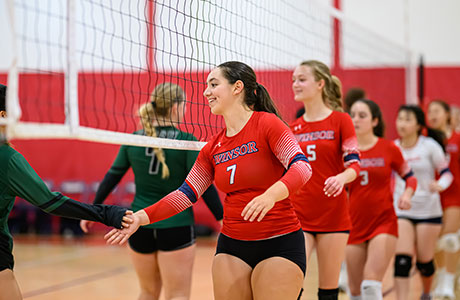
(82, 69)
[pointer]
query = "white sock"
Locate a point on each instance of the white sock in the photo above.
(449, 279)
(355, 297)
(371, 290)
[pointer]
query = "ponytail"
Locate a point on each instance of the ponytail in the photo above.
(163, 98)
(146, 112)
(256, 96)
(438, 136)
(264, 102)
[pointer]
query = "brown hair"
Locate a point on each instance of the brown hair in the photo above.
(255, 95)
(332, 91)
(163, 97)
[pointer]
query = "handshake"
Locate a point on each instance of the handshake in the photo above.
(131, 222)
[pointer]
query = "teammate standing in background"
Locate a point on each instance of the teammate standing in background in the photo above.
(373, 237)
(421, 224)
(353, 94)
(449, 244)
(327, 136)
(257, 162)
(455, 118)
(163, 252)
(18, 179)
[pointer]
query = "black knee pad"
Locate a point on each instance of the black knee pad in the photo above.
(328, 294)
(403, 264)
(426, 269)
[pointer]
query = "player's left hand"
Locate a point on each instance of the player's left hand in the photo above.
(333, 186)
(259, 206)
(435, 187)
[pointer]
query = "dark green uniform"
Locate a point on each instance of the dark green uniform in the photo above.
(150, 187)
(18, 179)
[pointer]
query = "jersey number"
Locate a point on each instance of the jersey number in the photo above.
(232, 174)
(311, 152)
(365, 179)
(154, 162)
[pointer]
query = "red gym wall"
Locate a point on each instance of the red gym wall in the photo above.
(69, 160)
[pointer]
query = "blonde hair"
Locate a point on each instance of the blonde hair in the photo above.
(163, 97)
(332, 91)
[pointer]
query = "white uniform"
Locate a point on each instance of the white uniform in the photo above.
(425, 158)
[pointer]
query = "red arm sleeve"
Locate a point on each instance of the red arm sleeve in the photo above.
(349, 144)
(399, 164)
(197, 182)
(287, 150)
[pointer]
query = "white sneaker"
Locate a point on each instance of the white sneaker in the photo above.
(438, 291)
(447, 287)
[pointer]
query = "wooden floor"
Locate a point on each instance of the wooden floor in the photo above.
(55, 269)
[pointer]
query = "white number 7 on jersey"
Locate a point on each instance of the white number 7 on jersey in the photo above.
(232, 175)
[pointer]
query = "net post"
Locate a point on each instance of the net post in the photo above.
(71, 74)
(12, 99)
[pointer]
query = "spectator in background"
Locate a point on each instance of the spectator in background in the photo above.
(353, 94)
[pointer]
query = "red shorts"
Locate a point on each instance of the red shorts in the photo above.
(361, 235)
(450, 197)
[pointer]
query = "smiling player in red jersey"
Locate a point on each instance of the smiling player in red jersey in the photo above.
(439, 116)
(372, 241)
(327, 136)
(258, 163)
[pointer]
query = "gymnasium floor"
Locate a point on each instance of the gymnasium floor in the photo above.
(55, 269)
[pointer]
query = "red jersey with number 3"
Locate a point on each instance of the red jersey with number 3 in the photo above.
(245, 166)
(371, 199)
(331, 146)
(451, 196)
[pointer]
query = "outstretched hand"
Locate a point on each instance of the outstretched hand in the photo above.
(86, 225)
(133, 222)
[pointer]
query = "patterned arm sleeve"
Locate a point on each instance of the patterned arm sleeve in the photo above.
(287, 150)
(197, 182)
(400, 165)
(349, 145)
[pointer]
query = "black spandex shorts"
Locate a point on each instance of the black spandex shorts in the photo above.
(437, 220)
(315, 233)
(6, 257)
(148, 240)
(290, 246)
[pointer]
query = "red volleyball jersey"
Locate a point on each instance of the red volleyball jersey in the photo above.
(245, 166)
(331, 146)
(371, 200)
(451, 196)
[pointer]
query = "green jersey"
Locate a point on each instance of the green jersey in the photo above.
(150, 187)
(18, 179)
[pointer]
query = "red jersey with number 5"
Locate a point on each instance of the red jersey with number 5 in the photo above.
(245, 166)
(371, 199)
(331, 146)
